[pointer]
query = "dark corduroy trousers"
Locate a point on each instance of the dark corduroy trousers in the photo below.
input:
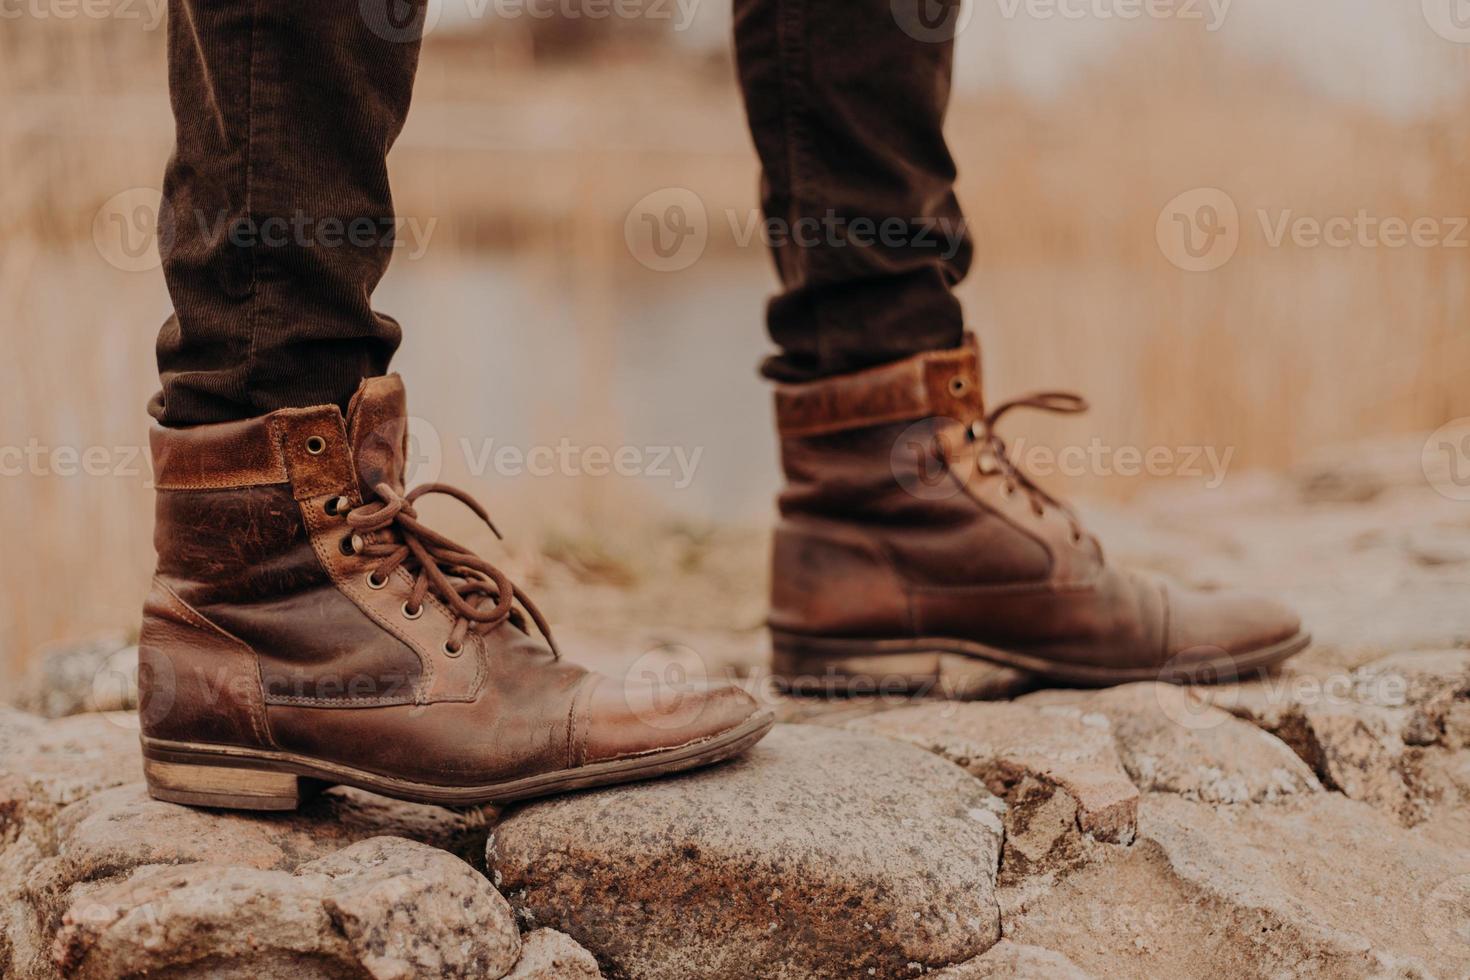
(281, 220)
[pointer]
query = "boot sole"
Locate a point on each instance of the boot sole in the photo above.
(226, 777)
(834, 667)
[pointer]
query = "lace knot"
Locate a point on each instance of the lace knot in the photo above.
(479, 596)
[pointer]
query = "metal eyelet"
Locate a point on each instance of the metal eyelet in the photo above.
(336, 506)
(415, 614)
(375, 583)
(351, 544)
(958, 385)
(452, 651)
(316, 445)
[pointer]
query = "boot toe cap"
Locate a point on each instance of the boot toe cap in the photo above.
(621, 720)
(1204, 623)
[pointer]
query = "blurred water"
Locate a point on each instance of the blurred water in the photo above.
(508, 358)
(1368, 52)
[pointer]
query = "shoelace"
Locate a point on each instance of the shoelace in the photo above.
(461, 579)
(990, 445)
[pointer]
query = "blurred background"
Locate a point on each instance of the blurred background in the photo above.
(1191, 215)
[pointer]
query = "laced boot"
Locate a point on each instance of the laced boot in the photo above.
(910, 544)
(306, 629)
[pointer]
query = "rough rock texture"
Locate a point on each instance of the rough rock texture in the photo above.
(408, 910)
(819, 854)
(1366, 731)
(100, 674)
(97, 879)
(1171, 741)
(1319, 886)
(1008, 960)
(1056, 767)
(550, 955)
(1309, 823)
(199, 919)
(387, 908)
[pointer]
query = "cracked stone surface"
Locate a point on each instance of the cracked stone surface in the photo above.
(1056, 767)
(386, 908)
(550, 955)
(1318, 886)
(99, 880)
(1008, 960)
(819, 854)
(1366, 732)
(1171, 740)
(1309, 823)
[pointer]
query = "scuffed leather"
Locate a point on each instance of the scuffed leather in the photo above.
(255, 591)
(938, 384)
(195, 680)
(898, 531)
(377, 426)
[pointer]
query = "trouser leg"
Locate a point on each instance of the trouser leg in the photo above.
(846, 102)
(277, 221)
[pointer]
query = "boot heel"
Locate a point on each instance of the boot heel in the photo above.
(225, 788)
(814, 667)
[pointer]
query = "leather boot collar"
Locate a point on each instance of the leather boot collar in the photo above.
(313, 447)
(935, 384)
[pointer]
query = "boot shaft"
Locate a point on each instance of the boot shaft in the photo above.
(255, 555)
(862, 445)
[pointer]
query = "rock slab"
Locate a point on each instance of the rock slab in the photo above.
(820, 853)
(1172, 741)
(1003, 744)
(385, 908)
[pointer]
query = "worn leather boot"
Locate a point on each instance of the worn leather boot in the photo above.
(305, 629)
(910, 543)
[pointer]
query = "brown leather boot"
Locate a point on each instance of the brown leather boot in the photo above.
(909, 542)
(304, 629)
